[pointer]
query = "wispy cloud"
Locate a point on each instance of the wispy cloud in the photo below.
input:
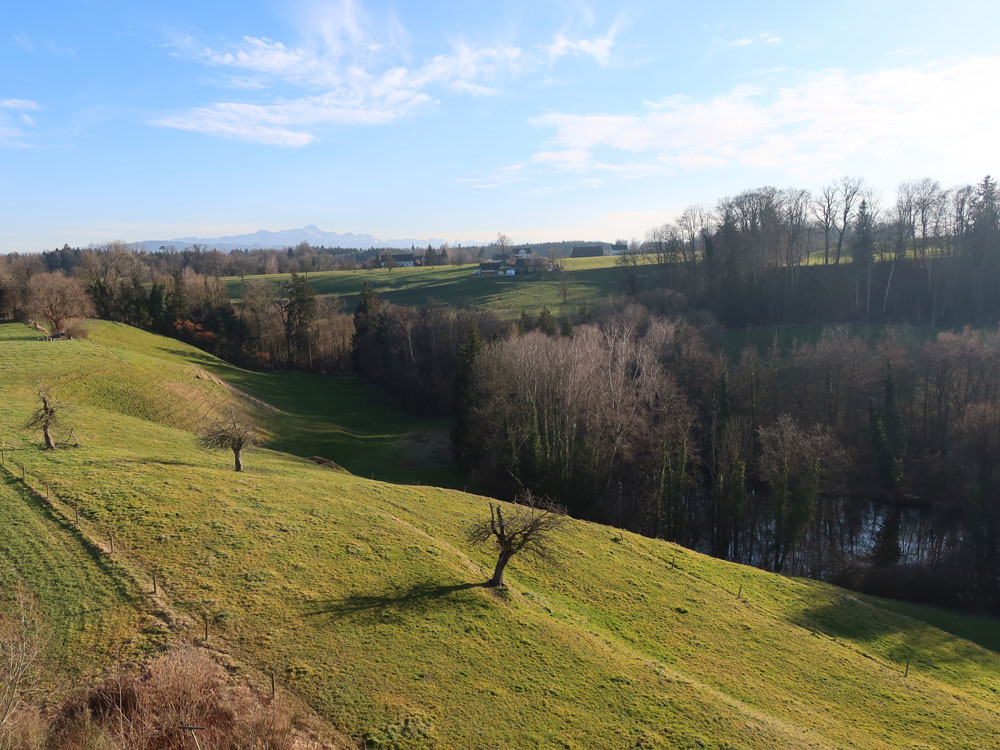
(762, 38)
(22, 40)
(341, 72)
(13, 118)
(25, 42)
(598, 48)
(809, 128)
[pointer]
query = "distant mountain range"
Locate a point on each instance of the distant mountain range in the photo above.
(263, 239)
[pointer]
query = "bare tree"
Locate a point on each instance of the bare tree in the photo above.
(55, 298)
(21, 646)
(503, 246)
(824, 208)
(519, 528)
(564, 286)
(233, 434)
(927, 197)
(848, 191)
(692, 222)
(795, 208)
(46, 417)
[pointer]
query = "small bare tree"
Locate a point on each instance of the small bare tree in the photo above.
(523, 527)
(46, 417)
(21, 646)
(233, 434)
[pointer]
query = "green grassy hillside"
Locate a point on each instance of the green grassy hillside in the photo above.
(589, 280)
(162, 380)
(361, 595)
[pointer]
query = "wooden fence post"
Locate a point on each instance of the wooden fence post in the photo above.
(112, 537)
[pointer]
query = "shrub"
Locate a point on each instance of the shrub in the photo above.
(143, 708)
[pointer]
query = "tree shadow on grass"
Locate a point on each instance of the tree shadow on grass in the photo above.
(898, 636)
(419, 597)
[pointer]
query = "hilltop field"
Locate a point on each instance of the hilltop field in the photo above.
(362, 596)
(587, 280)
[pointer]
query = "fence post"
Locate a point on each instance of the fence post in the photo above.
(112, 537)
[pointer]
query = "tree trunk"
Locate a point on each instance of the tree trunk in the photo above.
(888, 286)
(49, 443)
(496, 581)
(238, 456)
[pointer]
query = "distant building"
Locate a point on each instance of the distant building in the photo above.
(490, 268)
(587, 251)
(399, 260)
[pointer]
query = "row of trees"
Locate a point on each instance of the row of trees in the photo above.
(789, 227)
(302, 258)
(748, 258)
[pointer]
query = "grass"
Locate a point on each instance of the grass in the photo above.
(589, 280)
(362, 595)
(162, 380)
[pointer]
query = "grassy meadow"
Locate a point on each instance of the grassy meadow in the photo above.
(362, 596)
(589, 280)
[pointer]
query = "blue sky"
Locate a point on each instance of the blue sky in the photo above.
(560, 120)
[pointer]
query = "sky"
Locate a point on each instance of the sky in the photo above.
(457, 120)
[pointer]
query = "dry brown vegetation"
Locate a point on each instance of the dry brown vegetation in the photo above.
(182, 699)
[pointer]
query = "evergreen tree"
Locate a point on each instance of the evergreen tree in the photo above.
(299, 313)
(889, 449)
(467, 354)
(176, 303)
(368, 307)
(367, 315)
(863, 246)
(547, 323)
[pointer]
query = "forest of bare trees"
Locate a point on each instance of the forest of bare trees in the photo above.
(867, 460)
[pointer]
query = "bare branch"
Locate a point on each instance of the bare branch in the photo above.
(232, 434)
(526, 527)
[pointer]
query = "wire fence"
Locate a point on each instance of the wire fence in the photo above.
(100, 541)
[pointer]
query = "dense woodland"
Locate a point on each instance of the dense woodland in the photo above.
(868, 455)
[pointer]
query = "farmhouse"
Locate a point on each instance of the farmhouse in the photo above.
(399, 260)
(587, 251)
(490, 268)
